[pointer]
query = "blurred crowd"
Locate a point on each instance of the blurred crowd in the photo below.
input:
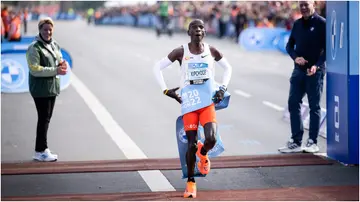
(218, 14)
(220, 17)
(13, 20)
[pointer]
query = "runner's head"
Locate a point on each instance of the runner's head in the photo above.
(196, 30)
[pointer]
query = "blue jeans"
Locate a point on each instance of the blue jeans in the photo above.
(300, 84)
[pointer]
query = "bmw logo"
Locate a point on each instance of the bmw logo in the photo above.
(12, 74)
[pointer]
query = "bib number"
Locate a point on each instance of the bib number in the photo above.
(191, 98)
(197, 74)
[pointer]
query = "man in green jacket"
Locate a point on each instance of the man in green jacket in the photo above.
(45, 63)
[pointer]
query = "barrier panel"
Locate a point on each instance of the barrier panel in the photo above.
(342, 44)
(183, 143)
(283, 39)
(24, 39)
(55, 16)
(15, 71)
(258, 39)
(251, 38)
(66, 16)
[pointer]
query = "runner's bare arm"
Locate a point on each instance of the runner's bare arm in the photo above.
(165, 62)
(222, 61)
(176, 54)
(215, 53)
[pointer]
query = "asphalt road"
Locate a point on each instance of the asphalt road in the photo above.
(114, 108)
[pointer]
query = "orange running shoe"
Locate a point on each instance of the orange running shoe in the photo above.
(204, 163)
(190, 191)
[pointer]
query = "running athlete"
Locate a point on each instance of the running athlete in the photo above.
(198, 95)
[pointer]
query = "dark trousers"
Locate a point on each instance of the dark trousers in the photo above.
(222, 28)
(25, 26)
(300, 84)
(164, 21)
(44, 107)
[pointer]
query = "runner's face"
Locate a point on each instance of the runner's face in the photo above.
(197, 30)
(46, 31)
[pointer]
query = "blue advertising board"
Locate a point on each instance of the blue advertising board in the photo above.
(283, 40)
(15, 71)
(24, 39)
(255, 39)
(342, 87)
(354, 81)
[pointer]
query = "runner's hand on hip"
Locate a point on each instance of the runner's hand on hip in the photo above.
(172, 93)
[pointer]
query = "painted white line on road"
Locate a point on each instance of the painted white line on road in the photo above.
(242, 93)
(274, 106)
(154, 179)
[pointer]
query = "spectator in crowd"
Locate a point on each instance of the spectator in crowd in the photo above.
(5, 20)
(14, 33)
(221, 16)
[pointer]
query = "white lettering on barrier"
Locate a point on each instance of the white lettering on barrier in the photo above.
(21, 47)
(341, 34)
(337, 117)
(333, 34)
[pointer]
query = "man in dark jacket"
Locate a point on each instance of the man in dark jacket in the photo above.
(308, 35)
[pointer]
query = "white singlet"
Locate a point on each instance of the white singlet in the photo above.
(194, 67)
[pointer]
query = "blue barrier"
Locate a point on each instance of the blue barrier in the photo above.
(56, 16)
(24, 39)
(283, 39)
(251, 38)
(257, 39)
(15, 72)
(23, 46)
(342, 25)
(66, 16)
(147, 20)
(183, 144)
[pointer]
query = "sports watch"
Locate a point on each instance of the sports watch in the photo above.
(223, 88)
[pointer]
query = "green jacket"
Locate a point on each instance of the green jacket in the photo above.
(43, 59)
(164, 9)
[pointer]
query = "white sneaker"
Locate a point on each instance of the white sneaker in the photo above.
(290, 147)
(311, 147)
(45, 156)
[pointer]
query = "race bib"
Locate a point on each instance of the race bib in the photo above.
(197, 74)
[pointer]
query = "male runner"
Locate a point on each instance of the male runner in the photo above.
(198, 95)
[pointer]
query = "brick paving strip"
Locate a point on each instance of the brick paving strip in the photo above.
(323, 193)
(278, 160)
